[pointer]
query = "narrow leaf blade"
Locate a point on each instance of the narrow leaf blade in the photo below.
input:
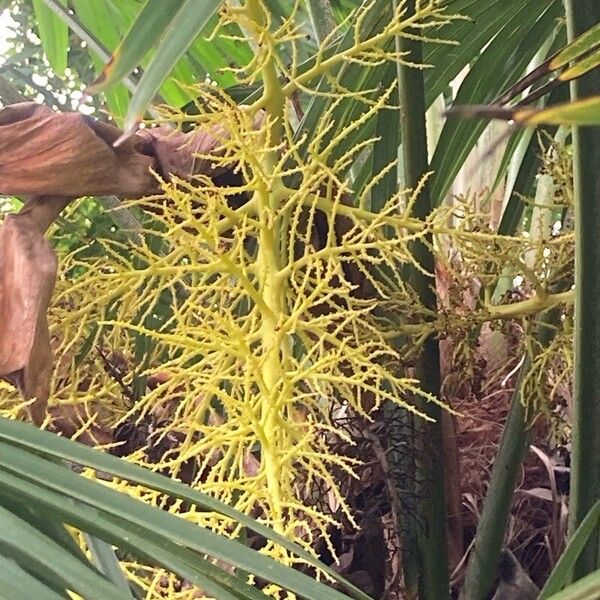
(18, 584)
(44, 555)
(587, 588)
(62, 480)
(183, 29)
(577, 47)
(54, 35)
(45, 443)
(144, 33)
(564, 567)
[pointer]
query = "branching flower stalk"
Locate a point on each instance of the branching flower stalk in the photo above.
(262, 331)
(270, 285)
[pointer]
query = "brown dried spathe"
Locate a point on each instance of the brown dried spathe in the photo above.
(53, 158)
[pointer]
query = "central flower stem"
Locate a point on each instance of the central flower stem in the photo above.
(272, 288)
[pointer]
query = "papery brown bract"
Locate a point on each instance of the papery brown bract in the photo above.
(69, 154)
(53, 158)
(27, 275)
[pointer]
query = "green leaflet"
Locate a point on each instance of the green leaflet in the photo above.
(581, 112)
(53, 33)
(49, 445)
(564, 567)
(577, 47)
(179, 33)
(144, 33)
(44, 557)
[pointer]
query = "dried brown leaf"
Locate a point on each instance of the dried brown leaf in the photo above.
(69, 154)
(27, 275)
(56, 157)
